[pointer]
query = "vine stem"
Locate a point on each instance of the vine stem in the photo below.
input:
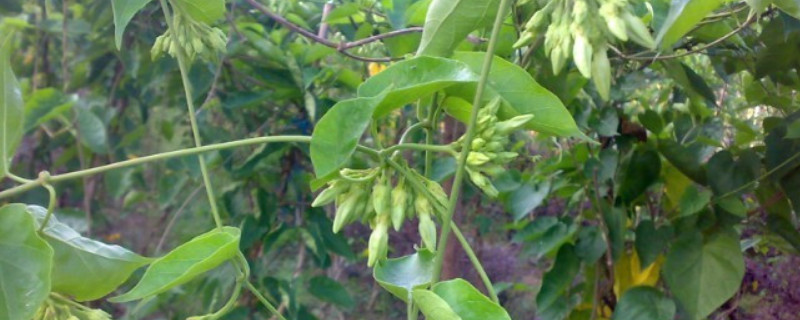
(263, 300)
(187, 89)
(156, 157)
(458, 181)
(476, 263)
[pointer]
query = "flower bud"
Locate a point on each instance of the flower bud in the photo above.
(346, 209)
(478, 143)
(378, 241)
(399, 205)
(329, 194)
(582, 55)
(477, 158)
(483, 183)
(427, 231)
(508, 126)
(525, 39)
(637, 31)
(601, 68)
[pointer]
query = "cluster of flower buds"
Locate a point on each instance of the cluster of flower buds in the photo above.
(370, 197)
(582, 29)
(191, 38)
(56, 309)
(487, 155)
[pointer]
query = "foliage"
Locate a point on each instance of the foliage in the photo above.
(346, 140)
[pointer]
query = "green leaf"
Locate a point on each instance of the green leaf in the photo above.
(686, 161)
(793, 130)
(206, 11)
(556, 281)
(85, 269)
(191, 259)
(11, 110)
(683, 16)
(413, 79)
(791, 7)
(433, 306)
(704, 271)
(644, 303)
(92, 131)
(694, 200)
(124, 10)
(650, 242)
(642, 170)
(732, 175)
(45, 105)
(26, 262)
(337, 133)
(402, 275)
(527, 197)
(448, 23)
(457, 299)
(522, 94)
(590, 245)
(329, 290)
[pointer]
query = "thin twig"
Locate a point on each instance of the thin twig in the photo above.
(690, 52)
(340, 47)
(175, 218)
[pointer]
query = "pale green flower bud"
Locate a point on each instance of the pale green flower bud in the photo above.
(346, 209)
(378, 241)
(637, 31)
(601, 68)
(427, 231)
(478, 143)
(477, 158)
(399, 205)
(510, 125)
(582, 55)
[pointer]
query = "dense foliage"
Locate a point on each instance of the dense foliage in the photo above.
(378, 159)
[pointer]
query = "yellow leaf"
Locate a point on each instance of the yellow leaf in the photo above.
(628, 273)
(375, 68)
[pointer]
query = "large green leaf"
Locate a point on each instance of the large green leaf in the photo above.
(337, 133)
(402, 275)
(731, 175)
(463, 299)
(92, 131)
(704, 271)
(448, 23)
(642, 170)
(559, 278)
(683, 16)
(413, 79)
(206, 11)
(433, 306)
(85, 269)
(522, 94)
(26, 262)
(11, 108)
(201, 254)
(791, 7)
(688, 162)
(644, 303)
(45, 105)
(124, 10)
(327, 289)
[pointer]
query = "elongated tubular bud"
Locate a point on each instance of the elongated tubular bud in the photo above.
(483, 183)
(427, 231)
(601, 68)
(510, 125)
(378, 241)
(477, 158)
(582, 55)
(637, 31)
(381, 197)
(438, 193)
(329, 194)
(346, 210)
(399, 205)
(525, 39)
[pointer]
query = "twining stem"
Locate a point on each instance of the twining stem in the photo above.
(263, 300)
(476, 263)
(51, 206)
(419, 147)
(458, 181)
(156, 157)
(187, 89)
